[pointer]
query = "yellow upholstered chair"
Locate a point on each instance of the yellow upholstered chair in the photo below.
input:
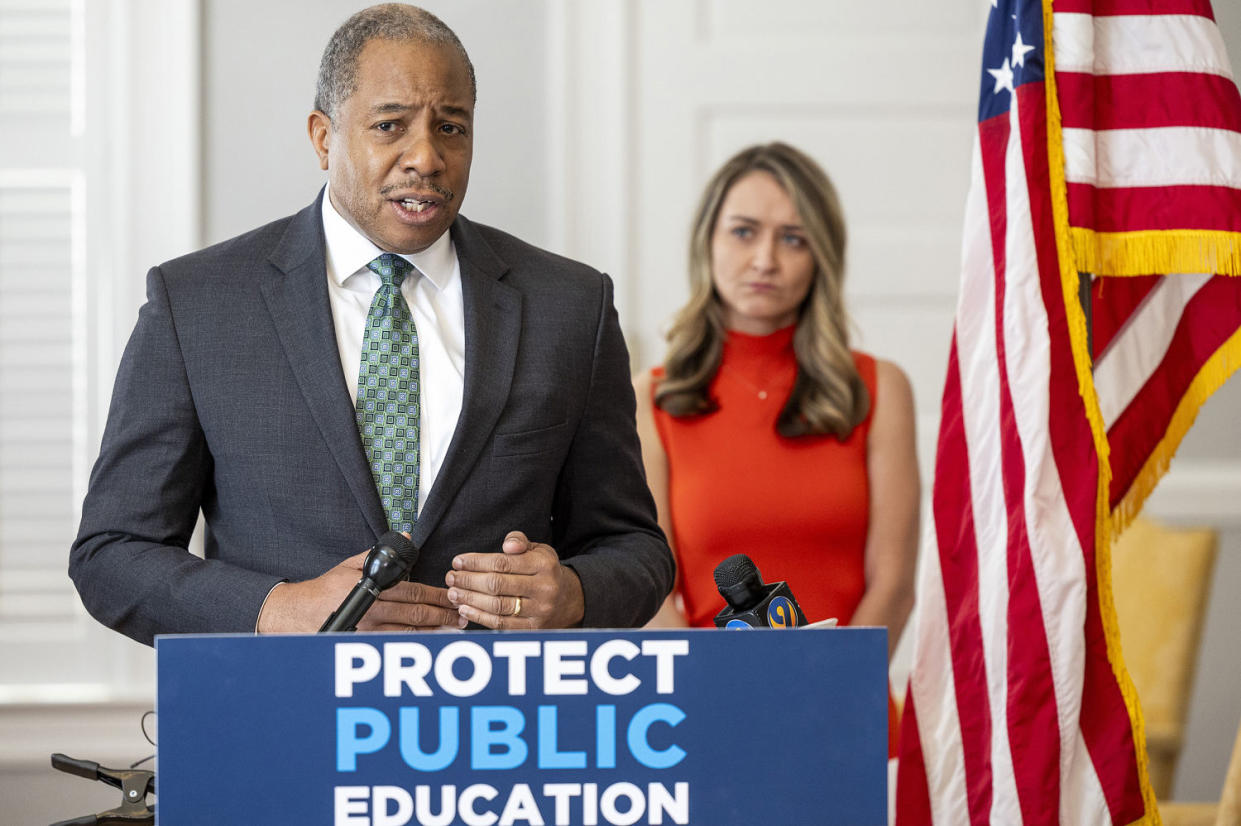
(1226, 813)
(1160, 579)
(1230, 796)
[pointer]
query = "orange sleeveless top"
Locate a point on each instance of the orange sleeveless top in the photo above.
(798, 507)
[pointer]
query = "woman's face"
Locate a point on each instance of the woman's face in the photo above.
(761, 262)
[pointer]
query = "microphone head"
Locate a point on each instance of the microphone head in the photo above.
(390, 560)
(739, 582)
(404, 547)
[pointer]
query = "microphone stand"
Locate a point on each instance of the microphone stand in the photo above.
(134, 784)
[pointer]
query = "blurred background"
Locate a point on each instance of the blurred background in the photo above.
(137, 130)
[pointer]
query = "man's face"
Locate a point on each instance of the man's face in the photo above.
(399, 149)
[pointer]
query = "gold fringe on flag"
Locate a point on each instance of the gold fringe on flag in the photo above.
(1157, 251)
(1078, 334)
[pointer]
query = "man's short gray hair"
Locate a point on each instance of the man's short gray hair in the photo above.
(338, 70)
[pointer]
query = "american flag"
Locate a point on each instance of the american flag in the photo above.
(1108, 145)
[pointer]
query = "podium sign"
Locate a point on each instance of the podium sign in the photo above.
(574, 728)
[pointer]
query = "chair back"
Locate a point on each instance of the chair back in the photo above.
(1160, 580)
(1230, 796)
(1226, 812)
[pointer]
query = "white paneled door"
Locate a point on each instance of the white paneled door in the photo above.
(883, 95)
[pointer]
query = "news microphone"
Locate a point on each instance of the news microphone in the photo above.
(751, 604)
(387, 564)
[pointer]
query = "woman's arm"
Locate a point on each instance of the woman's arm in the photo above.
(655, 461)
(895, 497)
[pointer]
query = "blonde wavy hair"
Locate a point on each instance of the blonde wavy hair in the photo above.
(828, 396)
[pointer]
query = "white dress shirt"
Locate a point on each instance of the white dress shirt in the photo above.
(433, 293)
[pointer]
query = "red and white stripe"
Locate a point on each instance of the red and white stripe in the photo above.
(1008, 745)
(1014, 713)
(1151, 116)
(1152, 142)
(1151, 337)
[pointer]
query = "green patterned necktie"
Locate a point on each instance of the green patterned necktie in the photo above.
(388, 403)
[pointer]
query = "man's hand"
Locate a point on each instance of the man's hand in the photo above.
(523, 588)
(294, 607)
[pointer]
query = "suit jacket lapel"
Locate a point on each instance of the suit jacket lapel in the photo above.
(492, 333)
(296, 296)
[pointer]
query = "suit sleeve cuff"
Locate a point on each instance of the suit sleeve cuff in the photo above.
(264, 605)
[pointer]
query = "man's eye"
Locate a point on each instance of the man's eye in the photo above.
(386, 126)
(452, 129)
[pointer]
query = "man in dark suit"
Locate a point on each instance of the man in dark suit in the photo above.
(375, 361)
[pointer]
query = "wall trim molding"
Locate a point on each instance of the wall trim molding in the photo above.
(590, 154)
(106, 732)
(143, 126)
(1199, 491)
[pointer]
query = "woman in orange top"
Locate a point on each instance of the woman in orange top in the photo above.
(763, 433)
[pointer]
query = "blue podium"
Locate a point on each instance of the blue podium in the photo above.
(574, 728)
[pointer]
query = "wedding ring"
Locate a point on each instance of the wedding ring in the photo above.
(517, 606)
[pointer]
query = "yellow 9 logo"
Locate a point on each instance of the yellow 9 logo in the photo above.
(780, 613)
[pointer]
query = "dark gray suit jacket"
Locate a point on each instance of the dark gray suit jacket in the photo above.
(230, 398)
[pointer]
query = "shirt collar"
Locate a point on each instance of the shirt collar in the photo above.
(349, 251)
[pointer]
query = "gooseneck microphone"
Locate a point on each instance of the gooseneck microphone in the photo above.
(751, 604)
(387, 564)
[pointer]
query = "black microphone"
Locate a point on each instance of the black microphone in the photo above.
(387, 564)
(751, 604)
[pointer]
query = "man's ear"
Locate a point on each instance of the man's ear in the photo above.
(318, 126)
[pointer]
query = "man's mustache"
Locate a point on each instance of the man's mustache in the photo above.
(419, 184)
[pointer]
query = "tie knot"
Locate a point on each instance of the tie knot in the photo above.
(390, 268)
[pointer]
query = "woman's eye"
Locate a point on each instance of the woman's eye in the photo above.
(742, 232)
(794, 240)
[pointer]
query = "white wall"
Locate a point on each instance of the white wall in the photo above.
(577, 149)
(581, 145)
(260, 63)
(534, 117)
